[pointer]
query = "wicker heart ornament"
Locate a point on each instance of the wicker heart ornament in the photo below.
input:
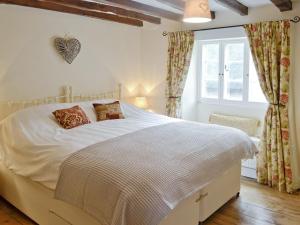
(68, 48)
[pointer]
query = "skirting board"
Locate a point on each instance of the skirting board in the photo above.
(37, 202)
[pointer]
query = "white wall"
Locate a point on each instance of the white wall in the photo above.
(31, 67)
(111, 53)
(154, 62)
(266, 13)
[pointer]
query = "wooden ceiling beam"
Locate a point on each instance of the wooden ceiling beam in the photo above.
(148, 9)
(283, 5)
(48, 5)
(213, 15)
(235, 6)
(156, 11)
(111, 9)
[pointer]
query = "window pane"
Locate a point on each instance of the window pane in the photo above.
(255, 92)
(234, 71)
(210, 71)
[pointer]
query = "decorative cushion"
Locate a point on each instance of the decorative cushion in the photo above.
(71, 117)
(248, 125)
(108, 111)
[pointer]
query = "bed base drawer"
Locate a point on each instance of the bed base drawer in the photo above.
(197, 208)
(37, 202)
(218, 192)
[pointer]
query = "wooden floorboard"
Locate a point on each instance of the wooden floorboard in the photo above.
(257, 205)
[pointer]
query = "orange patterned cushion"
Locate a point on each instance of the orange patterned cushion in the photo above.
(110, 111)
(71, 117)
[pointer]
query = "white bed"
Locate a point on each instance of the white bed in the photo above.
(30, 162)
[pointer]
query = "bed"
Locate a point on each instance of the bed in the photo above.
(28, 179)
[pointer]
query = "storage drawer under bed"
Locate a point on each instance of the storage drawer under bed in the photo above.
(209, 199)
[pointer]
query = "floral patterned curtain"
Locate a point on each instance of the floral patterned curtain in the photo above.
(270, 47)
(180, 52)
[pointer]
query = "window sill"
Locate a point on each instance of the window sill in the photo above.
(252, 105)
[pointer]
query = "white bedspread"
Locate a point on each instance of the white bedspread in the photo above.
(32, 144)
(138, 178)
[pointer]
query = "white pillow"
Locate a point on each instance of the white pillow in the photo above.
(248, 125)
(41, 115)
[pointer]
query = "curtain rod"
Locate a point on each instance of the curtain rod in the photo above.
(296, 19)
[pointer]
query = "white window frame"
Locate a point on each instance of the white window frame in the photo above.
(220, 100)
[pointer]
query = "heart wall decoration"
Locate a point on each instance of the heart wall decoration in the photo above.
(67, 48)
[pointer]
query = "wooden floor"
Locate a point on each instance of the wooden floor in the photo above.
(257, 205)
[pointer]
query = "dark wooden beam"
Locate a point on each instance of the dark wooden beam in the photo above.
(283, 5)
(48, 5)
(110, 9)
(235, 6)
(213, 15)
(148, 9)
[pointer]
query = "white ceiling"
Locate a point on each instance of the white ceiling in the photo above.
(250, 3)
(158, 5)
(255, 3)
(213, 5)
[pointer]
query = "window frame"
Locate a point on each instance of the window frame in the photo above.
(199, 71)
(221, 100)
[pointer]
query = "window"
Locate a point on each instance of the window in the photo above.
(210, 67)
(227, 72)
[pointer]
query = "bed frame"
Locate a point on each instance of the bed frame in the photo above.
(37, 202)
(67, 96)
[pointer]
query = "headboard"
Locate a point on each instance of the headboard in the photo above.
(9, 107)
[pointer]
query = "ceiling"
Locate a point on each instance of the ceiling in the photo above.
(250, 3)
(173, 9)
(136, 12)
(158, 4)
(213, 4)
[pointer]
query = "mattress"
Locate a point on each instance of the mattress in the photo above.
(33, 145)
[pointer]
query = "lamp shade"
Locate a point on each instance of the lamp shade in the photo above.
(141, 102)
(197, 11)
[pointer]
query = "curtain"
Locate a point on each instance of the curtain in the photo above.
(179, 57)
(270, 47)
